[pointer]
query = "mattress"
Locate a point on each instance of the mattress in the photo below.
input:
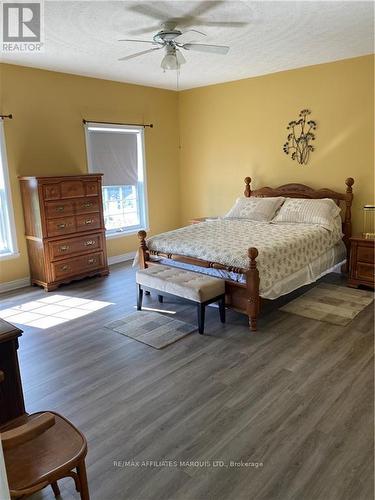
(285, 250)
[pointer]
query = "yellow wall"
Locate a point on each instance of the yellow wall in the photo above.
(46, 137)
(235, 129)
(225, 132)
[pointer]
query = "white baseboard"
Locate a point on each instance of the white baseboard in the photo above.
(13, 285)
(116, 259)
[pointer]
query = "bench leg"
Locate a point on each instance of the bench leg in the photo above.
(201, 315)
(139, 298)
(160, 299)
(222, 309)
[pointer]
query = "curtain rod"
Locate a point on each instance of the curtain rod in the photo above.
(114, 123)
(6, 116)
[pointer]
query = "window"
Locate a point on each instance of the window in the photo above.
(7, 227)
(117, 151)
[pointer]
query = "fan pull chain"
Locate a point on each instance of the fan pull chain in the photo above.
(178, 79)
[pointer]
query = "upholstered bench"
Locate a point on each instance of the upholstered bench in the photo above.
(194, 287)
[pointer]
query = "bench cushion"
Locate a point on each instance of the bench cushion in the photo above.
(186, 284)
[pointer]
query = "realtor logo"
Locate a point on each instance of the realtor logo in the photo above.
(22, 27)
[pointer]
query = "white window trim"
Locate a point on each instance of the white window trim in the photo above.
(139, 130)
(122, 234)
(8, 194)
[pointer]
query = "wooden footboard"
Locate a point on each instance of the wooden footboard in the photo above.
(143, 253)
(241, 297)
(252, 286)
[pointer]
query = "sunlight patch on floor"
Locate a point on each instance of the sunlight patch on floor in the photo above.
(51, 311)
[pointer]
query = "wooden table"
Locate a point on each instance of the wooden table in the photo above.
(11, 395)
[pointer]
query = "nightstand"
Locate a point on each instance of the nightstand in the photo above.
(197, 220)
(361, 264)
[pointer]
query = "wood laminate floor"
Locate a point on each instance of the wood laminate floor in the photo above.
(297, 397)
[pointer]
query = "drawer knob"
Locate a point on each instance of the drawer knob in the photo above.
(64, 248)
(60, 209)
(91, 261)
(87, 205)
(89, 243)
(61, 226)
(64, 268)
(89, 221)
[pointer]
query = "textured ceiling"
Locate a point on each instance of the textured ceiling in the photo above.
(82, 38)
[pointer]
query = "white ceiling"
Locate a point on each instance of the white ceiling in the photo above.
(81, 38)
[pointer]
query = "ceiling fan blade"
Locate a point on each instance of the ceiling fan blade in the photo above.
(222, 24)
(149, 10)
(144, 31)
(204, 7)
(189, 36)
(133, 40)
(126, 58)
(161, 10)
(201, 47)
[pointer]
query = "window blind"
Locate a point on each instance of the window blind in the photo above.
(115, 155)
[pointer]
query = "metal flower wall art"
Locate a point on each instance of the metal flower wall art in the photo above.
(298, 143)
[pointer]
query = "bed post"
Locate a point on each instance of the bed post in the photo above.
(247, 191)
(252, 285)
(142, 249)
(347, 229)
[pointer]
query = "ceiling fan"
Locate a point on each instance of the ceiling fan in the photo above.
(171, 38)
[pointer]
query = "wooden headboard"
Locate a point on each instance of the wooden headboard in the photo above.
(302, 191)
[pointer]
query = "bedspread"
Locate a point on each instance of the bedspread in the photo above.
(283, 248)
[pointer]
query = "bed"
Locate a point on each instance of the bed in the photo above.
(258, 260)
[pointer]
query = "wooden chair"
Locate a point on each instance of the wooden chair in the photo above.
(40, 449)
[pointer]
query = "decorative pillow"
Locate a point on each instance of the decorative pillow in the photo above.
(253, 208)
(305, 211)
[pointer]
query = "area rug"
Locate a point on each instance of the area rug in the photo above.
(334, 304)
(151, 328)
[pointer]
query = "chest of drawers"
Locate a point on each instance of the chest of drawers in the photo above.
(362, 262)
(64, 228)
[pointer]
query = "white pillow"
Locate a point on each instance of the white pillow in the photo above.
(253, 208)
(306, 211)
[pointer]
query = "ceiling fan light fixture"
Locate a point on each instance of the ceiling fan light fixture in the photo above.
(169, 61)
(172, 59)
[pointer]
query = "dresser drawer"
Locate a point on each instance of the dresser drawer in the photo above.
(365, 272)
(60, 226)
(91, 188)
(77, 265)
(365, 254)
(70, 246)
(88, 221)
(51, 191)
(57, 208)
(72, 189)
(87, 205)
